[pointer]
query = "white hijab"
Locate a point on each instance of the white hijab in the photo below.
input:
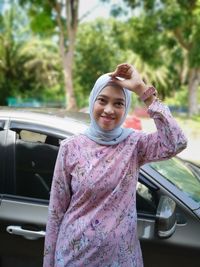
(95, 132)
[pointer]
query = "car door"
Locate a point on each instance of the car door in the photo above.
(30, 157)
(177, 246)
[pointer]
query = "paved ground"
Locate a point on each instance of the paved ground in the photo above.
(192, 152)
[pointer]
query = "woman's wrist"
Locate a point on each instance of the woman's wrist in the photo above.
(150, 91)
(149, 95)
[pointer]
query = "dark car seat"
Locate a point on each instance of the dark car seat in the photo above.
(34, 168)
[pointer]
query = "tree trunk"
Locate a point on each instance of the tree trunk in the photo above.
(70, 97)
(67, 47)
(68, 65)
(194, 81)
(72, 25)
(68, 74)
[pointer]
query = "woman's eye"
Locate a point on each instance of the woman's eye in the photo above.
(101, 100)
(119, 104)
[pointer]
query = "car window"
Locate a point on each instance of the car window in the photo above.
(180, 175)
(32, 136)
(35, 156)
(147, 199)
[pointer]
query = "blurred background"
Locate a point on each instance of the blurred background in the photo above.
(52, 51)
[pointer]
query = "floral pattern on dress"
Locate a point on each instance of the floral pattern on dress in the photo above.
(92, 219)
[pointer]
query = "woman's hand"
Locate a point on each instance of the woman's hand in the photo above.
(131, 79)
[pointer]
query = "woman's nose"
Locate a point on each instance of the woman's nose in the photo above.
(108, 109)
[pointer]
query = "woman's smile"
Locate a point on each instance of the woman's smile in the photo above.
(109, 107)
(106, 118)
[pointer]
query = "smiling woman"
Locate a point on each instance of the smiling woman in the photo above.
(92, 211)
(109, 107)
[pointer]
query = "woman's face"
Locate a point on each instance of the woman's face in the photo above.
(109, 107)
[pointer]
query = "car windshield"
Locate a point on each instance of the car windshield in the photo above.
(175, 171)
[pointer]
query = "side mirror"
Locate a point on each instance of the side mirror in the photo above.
(166, 217)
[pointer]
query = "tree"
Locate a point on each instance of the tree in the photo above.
(108, 43)
(11, 60)
(28, 67)
(96, 53)
(143, 40)
(180, 20)
(141, 47)
(54, 17)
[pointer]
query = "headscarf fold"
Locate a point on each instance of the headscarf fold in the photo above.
(95, 132)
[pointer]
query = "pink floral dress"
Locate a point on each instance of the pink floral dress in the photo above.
(92, 219)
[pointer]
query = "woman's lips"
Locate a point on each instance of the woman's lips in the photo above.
(107, 119)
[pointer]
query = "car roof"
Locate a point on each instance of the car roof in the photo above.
(74, 122)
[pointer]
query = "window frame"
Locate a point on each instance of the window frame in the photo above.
(37, 127)
(10, 177)
(3, 135)
(155, 191)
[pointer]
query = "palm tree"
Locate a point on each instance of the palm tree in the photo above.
(27, 65)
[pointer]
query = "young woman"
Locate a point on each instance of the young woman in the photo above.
(92, 217)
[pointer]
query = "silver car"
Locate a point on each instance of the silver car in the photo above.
(168, 194)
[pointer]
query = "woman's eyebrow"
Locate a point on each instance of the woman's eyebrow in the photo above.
(116, 99)
(120, 99)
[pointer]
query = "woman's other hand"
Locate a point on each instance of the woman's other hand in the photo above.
(128, 77)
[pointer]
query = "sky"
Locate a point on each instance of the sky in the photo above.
(94, 8)
(98, 8)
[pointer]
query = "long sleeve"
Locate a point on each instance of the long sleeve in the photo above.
(59, 202)
(166, 142)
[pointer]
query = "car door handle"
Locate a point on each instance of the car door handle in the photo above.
(28, 234)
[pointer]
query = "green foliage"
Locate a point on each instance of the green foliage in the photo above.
(143, 43)
(96, 53)
(46, 27)
(28, 66)
(178, 22)
(179, 17)
(149, 40)
(178, 98)
(41, 17)
(146, 38)
(103, 44)
(117, 11)
(134, 3)
(54, 93)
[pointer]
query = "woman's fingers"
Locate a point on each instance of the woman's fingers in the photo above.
(123, 70)
(118, 81)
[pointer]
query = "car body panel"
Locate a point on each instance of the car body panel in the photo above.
(23, 217)
(22, 118)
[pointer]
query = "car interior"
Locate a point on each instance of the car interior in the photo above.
(34, 162)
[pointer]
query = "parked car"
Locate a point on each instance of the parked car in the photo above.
(133, 122)
(194, 167)
(168, 194)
